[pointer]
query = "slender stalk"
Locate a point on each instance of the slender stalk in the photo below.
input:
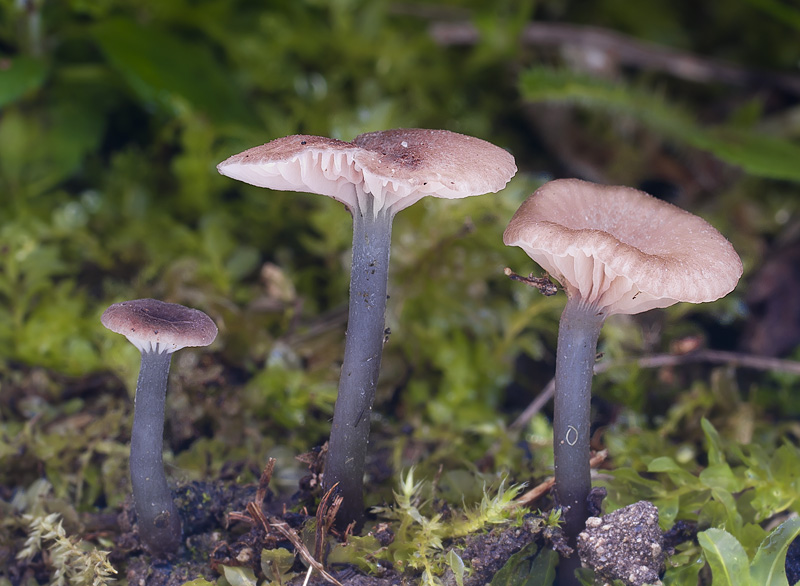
(362, 360)
(159, 524)
(578, 332)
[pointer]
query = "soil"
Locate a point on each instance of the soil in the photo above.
(220, 529)
(217, 532)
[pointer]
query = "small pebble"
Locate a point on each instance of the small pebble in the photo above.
(624, 545)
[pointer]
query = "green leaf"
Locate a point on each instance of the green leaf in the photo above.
(720, 476)
(715, 453)
(727, 558)
(357, 551)
(275, 563)
(784, 469)
(457, 565)
(670, 467)
(781, 11)
(668, 508)
(528, 567)
(162, 67)
(238, 576)
(684, 575)
(38, 151)
(543, 569)
(20, 76)
(768, 564)
(733, 519)
(757, 154)
(663, 464)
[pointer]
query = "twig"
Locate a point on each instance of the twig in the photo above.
(263, 482)
(627, 51)
(255, 510)
(301, 549)
(326, 515)
(716, 356)
(736, 359)
(535, 406)
(542, 488)
(536, 492)
(308, 576)
(255, 513)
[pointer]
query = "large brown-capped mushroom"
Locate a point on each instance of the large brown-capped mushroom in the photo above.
(614, 250)
(157, 329)
(375, 176)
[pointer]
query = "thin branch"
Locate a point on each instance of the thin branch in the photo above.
(301, 549)
(263, 482)
(628, 51)
(714, 356)
(735, 359)
(255, 514)
(535, 406)
(326, 515)
(544, 487)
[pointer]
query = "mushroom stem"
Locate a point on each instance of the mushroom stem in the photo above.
(578, 332)
(159, 524)
(369, 275)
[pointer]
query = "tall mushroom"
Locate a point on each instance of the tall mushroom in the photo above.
(157, 329)
(614, 250)
(375, 176)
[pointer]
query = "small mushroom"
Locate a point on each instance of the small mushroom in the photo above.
(375, 176)
(614, 250)
(157, 329)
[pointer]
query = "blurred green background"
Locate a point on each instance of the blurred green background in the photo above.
(114, 114)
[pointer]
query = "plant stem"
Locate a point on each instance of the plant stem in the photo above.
(362, 360)
(159, 524)
(578, 332)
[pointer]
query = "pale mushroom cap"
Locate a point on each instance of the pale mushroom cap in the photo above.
(621, 249)
(395, 168)
(155, 326)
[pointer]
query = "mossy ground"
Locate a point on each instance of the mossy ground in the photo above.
(108, 192)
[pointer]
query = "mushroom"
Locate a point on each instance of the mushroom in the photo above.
(375, 176)
(157, 329)
(614, 250)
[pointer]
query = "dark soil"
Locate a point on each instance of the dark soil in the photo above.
(219, 529)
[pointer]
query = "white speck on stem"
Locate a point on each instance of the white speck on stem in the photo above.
(570, 430)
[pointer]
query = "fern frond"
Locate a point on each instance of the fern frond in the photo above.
(757, 154)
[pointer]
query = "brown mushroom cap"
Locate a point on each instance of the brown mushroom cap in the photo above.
(621, 249)
(155, 326)
(397, 167)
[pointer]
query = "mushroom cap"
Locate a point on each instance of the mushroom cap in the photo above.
(395, 167)
(156, 326)
(622, 250)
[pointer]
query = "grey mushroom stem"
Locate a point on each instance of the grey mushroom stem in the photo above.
(157, 515)
(578, 332)
(362, 359)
